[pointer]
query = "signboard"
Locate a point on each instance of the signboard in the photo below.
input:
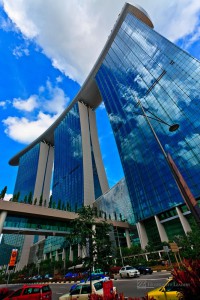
(174, 247)
(13, 258)
(108, 289)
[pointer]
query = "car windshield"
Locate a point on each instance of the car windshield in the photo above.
(130, 268)
(98, 285)
(46, 288)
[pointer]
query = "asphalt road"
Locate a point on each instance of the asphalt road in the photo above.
(133, 287)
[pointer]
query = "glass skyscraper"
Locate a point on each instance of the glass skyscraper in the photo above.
(143, 65)
(136, 64)
(68, 163)
(27, 172)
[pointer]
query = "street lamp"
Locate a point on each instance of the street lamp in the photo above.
(182, 185)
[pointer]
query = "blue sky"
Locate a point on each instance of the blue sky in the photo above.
(45, 56)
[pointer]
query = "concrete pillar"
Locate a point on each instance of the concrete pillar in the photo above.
(146, 256)
(161, 230)
(44, 172)
(160, 255)
(3, 216)
(56, 257)
(183, 220)
(79, 251)
(71, 254)
(142, 234)
(28, 242)
(83, 252)
(128, 240)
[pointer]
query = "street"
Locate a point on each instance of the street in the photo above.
(137, 287)
(133, 287)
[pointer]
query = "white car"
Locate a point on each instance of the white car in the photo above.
(83, 290)
(128, 271)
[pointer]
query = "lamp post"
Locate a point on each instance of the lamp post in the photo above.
(182, 185)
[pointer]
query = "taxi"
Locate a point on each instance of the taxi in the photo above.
(169, 291)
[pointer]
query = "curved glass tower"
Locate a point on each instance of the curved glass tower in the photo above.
(143, 65)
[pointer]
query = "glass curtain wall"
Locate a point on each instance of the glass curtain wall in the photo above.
(141, 64)
(67, 190)
(27, 172)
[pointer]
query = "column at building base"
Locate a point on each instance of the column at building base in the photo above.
(183, 220)
(142, 234)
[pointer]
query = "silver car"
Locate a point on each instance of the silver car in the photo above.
(128, 271)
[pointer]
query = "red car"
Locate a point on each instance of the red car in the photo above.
(32, 292)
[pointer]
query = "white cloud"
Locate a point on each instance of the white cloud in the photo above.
(2, 103)
(73, 32)
(57, 100)
(8, 197)
(19, 51)
(27, 105)
(25, 131)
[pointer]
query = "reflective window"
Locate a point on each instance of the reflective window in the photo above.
(68, 163)
(143, 65)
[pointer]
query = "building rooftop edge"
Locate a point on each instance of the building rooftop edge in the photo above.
(89, 91)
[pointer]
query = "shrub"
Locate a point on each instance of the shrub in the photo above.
(189, 277)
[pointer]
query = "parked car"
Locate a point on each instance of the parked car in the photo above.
(97, 272)
(48, 276)
(71, 275)
(32, 292)
(83, 290)
(129, 271)
(169, 291)
(95, 277)
(144, 270)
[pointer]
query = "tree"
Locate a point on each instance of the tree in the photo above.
(3, 192)
(41, 200)
(25, 199)
(50, 202)
(30, 198)
(190, 243)
(94, 238)
(59, 204)
(35, 201)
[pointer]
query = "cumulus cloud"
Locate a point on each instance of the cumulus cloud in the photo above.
(57, 101)
(25, 131)
(8, 197)
(20, 51)
(2, 103)
(73, 32)
(27, 105)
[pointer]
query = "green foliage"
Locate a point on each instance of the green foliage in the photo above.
(96, 239)
(25, 199)
(30, 198)
(41, 200)
(35, 201)
(3, 192)
(59, 204)
(190, 244)
(50, 202)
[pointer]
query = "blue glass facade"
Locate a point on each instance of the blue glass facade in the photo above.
(116, 203)
(141, 64)
(68, 162)
(27, 172)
